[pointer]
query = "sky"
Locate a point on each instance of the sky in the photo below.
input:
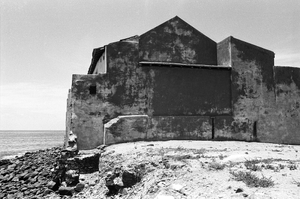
(43, 43)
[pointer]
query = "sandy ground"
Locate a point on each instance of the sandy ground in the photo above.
(199, 169)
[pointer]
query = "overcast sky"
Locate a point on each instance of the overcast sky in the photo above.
(44, 42)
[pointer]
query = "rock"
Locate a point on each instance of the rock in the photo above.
(64, 184)
(101, 147)
(66, 191)
(33, 180)
(22, 175)
(5, 162)
(51, 185)
(26, 176)
(33, 174)
(239, 190)
(24, 189)
(85, 163)
(177, 187)
(11, 167)
(130, 178)
(79, 187)
(15, 179)
(72, 177)
(47, 191)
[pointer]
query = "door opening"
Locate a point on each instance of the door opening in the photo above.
(212, 128)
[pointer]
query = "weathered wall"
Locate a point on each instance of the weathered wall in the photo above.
(159, 128)
(68, 118)
(190, 91)
(280, 122)
(252, 86)
(224, 52)
(177, 41)
(129, 89)
(251, 101)
(127, 129)
(119, 92)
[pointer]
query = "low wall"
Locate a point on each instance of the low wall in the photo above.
(137, 128)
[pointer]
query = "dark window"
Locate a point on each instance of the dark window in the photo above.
(93, 90)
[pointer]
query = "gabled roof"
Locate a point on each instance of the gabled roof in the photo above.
(177, 41)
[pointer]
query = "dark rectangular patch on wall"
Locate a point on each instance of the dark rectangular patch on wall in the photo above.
(191, 91)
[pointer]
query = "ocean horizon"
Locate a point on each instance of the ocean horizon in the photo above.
(18, 142)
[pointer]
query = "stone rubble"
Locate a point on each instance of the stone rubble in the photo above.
(28, 176)
(37, 174)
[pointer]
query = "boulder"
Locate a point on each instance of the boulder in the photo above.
(72, 177)
(66, 191)
(79, 187)
(130, 178)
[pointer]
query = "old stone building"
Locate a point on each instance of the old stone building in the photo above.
(173, 82)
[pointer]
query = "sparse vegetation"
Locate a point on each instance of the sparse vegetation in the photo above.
(216, 166)
(252, 165)
(296, 182)
(221, 156)
(251, 179)
(292, 166)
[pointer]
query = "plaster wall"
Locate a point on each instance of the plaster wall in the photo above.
(252, 86)
(177, 41)
(159, 128)
(280, 122)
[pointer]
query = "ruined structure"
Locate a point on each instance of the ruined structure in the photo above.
(173, 82)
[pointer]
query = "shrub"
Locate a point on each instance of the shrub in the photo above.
(251, 179)
(252, 165)
(216, 166)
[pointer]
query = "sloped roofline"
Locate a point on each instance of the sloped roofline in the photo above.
(178, 18)
(230, 38)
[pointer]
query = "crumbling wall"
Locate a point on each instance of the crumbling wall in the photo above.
(177, 41)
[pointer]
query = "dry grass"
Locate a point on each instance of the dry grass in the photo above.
(251, 179)
(252, 165)
(216, 166)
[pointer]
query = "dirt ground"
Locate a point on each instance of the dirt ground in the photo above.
(200, 169)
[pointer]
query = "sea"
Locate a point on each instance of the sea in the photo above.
(17, 143)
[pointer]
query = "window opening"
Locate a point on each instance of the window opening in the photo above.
(93, 90)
